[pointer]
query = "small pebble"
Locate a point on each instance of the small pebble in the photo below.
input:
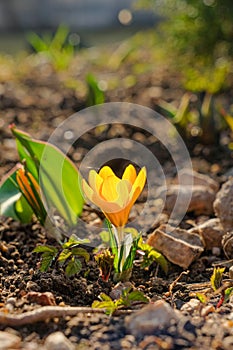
(9, 341)
(151, 317)
(58, 341)
(11, 301)
(228, 342)
(216, 251)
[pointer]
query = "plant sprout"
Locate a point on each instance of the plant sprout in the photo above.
(115, 197)
(33, 187)
(57, 48)
(68, 256)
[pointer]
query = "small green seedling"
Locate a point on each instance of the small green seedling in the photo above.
(128, 299)
(57, 48)
(216, 278)
(95, 94)
(122, 263)
(105, 261)
(68, 256)
(150, 255)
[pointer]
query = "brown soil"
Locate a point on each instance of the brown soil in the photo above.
(37, 104)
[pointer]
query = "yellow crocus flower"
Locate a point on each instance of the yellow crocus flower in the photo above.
(115, 196)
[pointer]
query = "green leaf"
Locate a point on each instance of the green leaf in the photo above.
(12, 202)
(229, 120)
(74, 241)
(113, 244)
(63, 256)
(159, 258)
(46, 261)
(49, 253)
(126, 300)
(202, 297)
(104, 297)
(228, 292)
(106, 303)
(152, 255)
(109, 306)
(136, 295)
(59, 39)
(57, 175)
(81, 252)
(144, 246)
(130, 258)
(23, 210)
(37, 43)
(216, 278)
(74, 266)
(95, 94)
(119, 258)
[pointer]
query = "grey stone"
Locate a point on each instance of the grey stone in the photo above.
(223, 205)
(150, 318)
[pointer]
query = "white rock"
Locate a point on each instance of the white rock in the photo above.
(150, 318)
(191, 306)
(58, 341)
(9, 341)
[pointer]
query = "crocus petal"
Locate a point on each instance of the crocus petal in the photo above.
(113, 218)
(105, 206)
(87, 190)
(109, 188)
(95, 181)
(123, 189)
(118, 219)
(135, 195)
(106, 171)
(130, 174)
(140, 180)
(98, 200)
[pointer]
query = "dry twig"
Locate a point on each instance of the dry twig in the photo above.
(48, 312)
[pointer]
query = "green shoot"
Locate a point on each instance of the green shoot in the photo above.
(202, 298)
(127, 300)
(68, 256)
(150, 255)
(48, 256)
(44, 173)
(216, 278)
(56, 48)
(95, 94)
